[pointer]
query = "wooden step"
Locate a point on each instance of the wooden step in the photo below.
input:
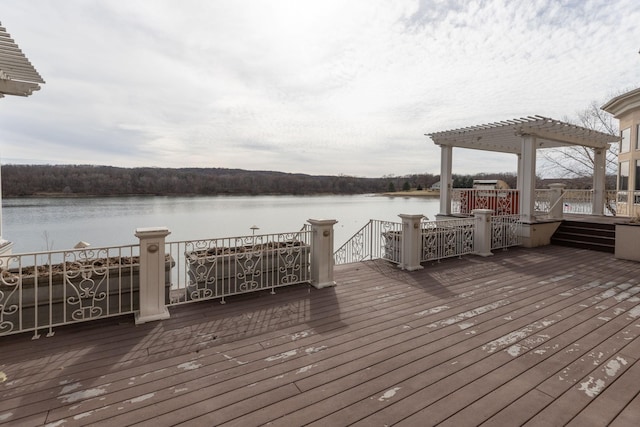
(586, 235)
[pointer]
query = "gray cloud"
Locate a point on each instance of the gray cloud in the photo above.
(317, 87)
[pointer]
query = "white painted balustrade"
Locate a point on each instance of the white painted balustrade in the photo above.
(43, 290)
(414, 241)
(90, 283)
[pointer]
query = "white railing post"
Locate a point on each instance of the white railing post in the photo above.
(482, 233)
(557, 205)
(411, 245)
(322, 252)
(152, 274)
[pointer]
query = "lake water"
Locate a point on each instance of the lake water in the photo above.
(38, 224)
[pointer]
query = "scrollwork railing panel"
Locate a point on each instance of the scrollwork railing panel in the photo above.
(500, 201)
(216, 268)
(42, 290)
(447, 238)
(506, 231)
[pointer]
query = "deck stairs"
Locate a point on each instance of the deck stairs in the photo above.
(586, 235)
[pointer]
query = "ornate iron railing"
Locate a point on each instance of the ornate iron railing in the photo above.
(577, 201)
(447, 238)
(383, 240)
(374, 240)
(506, 231)
(439, 239)
(42, 290)
(542, 201)
(216, 268)
(504, 202)
(501, 202)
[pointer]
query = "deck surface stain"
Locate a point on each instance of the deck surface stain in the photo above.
(544, 336)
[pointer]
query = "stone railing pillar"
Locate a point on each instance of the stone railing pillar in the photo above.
(482, 234)
(152, 274)
(322, 252)
(556, 202)
(411, 249)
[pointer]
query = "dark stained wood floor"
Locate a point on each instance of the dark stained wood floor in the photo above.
(537, 337)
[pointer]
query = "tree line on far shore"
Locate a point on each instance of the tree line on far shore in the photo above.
(87, 180)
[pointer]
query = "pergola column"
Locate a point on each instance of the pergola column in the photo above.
(519, 174)
(528, 190)
(446, 180)
(599, 180)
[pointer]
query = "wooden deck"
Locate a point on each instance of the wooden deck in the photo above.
(547, 336)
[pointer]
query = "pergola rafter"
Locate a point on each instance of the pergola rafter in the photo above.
(17, 76)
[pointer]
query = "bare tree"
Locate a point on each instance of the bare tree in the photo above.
(577, 161)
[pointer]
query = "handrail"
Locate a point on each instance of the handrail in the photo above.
(558, 200)
(370, 242)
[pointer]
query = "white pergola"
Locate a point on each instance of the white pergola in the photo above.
(523, 137)
(17, 75)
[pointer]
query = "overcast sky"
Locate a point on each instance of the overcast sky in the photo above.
(318, 87)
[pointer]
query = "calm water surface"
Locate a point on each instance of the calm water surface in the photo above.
(37, 224)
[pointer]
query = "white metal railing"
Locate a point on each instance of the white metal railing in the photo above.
(577, 201)
(447, 238)
(373, 241)
(542, 201)
(42, 290)
(501, 202)
(505, 202)
(438, 239)
(216, 268)
(506, 231)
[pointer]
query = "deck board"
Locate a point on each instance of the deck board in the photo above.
(514, 338)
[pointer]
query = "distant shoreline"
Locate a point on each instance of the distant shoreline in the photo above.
(413, 193)
(88, 195)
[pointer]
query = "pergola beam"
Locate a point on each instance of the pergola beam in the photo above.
(11, 87)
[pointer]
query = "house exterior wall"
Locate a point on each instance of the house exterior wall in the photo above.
(626, 108)
(629, 161)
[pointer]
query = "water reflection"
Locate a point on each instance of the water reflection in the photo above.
(59, 223)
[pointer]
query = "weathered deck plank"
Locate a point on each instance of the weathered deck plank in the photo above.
(514, 338)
